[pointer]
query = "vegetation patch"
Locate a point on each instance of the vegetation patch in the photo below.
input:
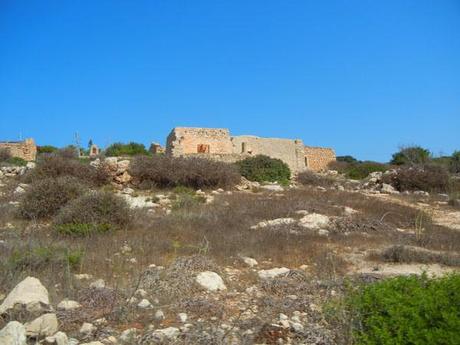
(93, 213)
(130, 149)
(309, 178)
(45, 197)
(163, 171)
(262, 168)
(428, 177)
(407, 310)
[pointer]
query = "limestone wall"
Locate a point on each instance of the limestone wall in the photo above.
(26, 149)
(289, 151)
(318, 158)
(186, 140)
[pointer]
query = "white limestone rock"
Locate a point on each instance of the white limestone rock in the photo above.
(272, 273)
(14, 333)
(210, 281)
(314, 221)
(68, 305)
(43, 326)
(30, 293)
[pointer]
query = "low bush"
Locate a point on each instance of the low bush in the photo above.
(309, 178)
(45, 197)
(55, 165)
(357, 170)
(407, 310)
(46, 149)
(36, 258)
(411, 155)
(262, 168)
(454, 165)
(163, 171)
(429, 178)
(91, 213)
(130, 149)
(404, 254)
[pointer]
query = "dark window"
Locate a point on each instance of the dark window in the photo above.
(202, 148)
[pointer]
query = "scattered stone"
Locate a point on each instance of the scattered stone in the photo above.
(19, 190)
(249, 261)
(128, 336)
(30, 293)
(272, 273)
(14, 333)
(274, 187)
(182, 317)
(60, 338)
(43, 326)
(210, 281)
(166, 333)
(98, 284)
(144, 304)
(68, 305)
(388, 188)
(87, 329)
(323, 232)
(274, 222)
(159, 315)
(83, 276)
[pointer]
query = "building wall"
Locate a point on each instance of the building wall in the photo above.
(289, 151)
(183, 141)
(26, 149)
(219, 145)
(318, 158)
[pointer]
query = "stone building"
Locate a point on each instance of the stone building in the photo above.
(216, 143)
(94, 150)
(26, 149)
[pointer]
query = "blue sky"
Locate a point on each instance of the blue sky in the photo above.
(364, 77)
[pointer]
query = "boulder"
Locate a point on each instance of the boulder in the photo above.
(87, 329)
(249, 261)
(273, 187)
(388, 188)
(274, 222)
(272, 273)
(210, 281)
(314, 221)
(29, 293)
(14, 333)
(166, 333)
(128, 336)
(42, 326)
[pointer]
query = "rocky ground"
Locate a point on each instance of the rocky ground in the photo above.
(258, 264)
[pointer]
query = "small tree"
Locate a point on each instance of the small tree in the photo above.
(411, 155)
(346, 159)
(455, 162)
(90, 143)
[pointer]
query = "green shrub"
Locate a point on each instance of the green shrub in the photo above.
(92, 213)
(429, 178)
(346, 159)
(262, 168)
(45, 197)
(359, 171)
(130, 149)
(411, 155)
(55, 165)
(407, 310)
(455, 162)
(36, 258)
(193, 172)
(16, 161)
(46, 149)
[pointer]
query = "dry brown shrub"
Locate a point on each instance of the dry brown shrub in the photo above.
(53, 166)
(428, 177)
(310, 178)
(45, 197)
(406, 254)
(164, 171)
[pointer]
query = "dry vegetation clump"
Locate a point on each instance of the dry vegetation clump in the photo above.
(178, 280)
(4, 154)
(407, 254)
(93, 212)
(428, 177)
(53, 166)
(309, 178)
(163, 171)
(45, 197)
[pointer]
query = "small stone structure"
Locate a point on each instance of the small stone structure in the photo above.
(94, 150)
(216, 143)
(26, 149)
(156, 148)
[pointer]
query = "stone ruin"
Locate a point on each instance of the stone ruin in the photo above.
(216, 143)
(26, 149)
